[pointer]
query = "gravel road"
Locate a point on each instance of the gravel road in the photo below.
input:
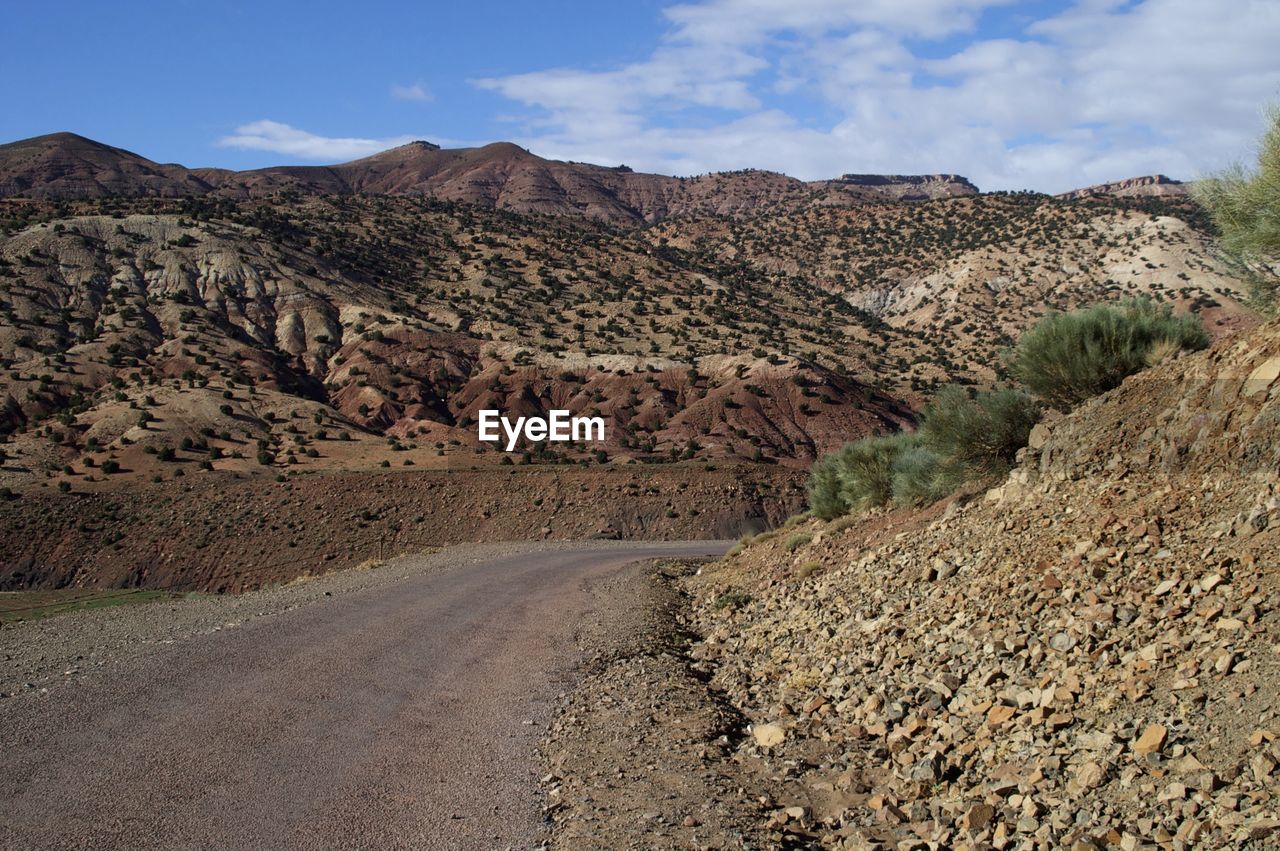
(398, 707)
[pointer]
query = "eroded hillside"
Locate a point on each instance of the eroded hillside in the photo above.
(956, 281)
(340, 332)
(1083, 656)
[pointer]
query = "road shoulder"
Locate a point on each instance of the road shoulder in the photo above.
(641, 752)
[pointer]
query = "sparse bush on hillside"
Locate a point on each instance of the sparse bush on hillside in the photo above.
(807, 569)
(960, 437)
(1069, 357)
(824, 489)
(731, 599)
(855, 477)
(865, 470)
(797, 541)
(922, 476)
(1064, 359)
(982, 433)
(1245, 205)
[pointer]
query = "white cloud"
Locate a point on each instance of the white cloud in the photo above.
(748, 21)
(416, 92)
(283, 139)
(1103, 90)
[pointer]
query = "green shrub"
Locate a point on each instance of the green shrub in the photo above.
(865, 468)
(731, 600)
(797, 541)
(742, 544)
(1245, 205)
(982, 433)
(807, 569)
(921, 476)
(855, 477)
(825, 500)
(842, 523)
(1069, 357)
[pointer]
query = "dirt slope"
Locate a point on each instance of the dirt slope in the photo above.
(1085, 656)
(216, 532)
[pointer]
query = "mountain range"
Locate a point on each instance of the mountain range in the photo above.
(157, 320)
(500, 175)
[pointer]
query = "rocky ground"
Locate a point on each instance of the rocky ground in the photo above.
(642, 754)
(1086, 656)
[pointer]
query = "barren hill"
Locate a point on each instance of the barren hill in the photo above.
(1148, 186)
(500, 175)
(64, 165)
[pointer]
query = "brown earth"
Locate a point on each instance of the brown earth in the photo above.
(640, 752)
(152, 341)
(170, 330)
(275, 329)
(216, 532)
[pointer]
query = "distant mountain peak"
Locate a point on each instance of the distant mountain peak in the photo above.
(500, 174)
(1147, 185)
(422, 144)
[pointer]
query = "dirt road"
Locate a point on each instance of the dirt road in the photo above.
(391, 714)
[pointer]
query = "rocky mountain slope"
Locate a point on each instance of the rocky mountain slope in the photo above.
(341, 332)
(1147, 186)
(500, 175)
(1084, 656)
(354, 329)
(345, 320)
(962, 278)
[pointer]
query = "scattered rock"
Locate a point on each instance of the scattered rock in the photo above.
(768, 735)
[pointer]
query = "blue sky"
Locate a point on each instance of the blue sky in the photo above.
(1047, 95)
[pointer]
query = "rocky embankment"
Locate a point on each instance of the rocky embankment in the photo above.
(222, 533)
(1086, 656)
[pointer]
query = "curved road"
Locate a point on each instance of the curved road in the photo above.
(396, 716)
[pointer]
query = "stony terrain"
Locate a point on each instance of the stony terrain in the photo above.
(1084, 656)
(640, 754)
(338, 331)
(953, 283)
(222, 381)
(270, 329)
